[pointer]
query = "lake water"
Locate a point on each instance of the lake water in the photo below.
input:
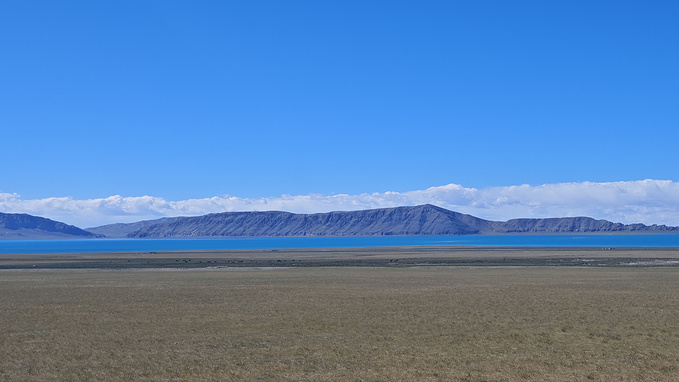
(146, 245)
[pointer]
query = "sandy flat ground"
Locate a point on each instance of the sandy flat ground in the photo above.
(352, 257)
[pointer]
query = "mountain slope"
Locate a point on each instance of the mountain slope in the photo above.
(403, 221)
(419, 220)
(575, 224)
(121, 230)
(24, 226)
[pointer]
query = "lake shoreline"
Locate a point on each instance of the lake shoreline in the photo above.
(218, 244)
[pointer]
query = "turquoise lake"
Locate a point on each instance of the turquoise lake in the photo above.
(145, 245)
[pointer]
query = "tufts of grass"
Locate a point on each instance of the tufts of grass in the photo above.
(316, 324)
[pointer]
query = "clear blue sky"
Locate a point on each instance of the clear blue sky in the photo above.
(193, 99)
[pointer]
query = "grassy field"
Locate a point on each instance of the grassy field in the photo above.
(316, 324)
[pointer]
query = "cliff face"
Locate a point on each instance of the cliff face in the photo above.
(24, 226)
(403, 221)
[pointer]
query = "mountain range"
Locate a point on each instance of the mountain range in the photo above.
(423, 220)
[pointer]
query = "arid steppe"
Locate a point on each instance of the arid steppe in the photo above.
(310, 323)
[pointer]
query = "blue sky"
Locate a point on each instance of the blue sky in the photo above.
(258, 99)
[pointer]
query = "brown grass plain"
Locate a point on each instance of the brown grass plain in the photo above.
(421, 323)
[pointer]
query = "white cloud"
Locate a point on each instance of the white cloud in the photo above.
(645, 201)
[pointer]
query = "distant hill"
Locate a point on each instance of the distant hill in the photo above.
(24, 226)
(400, 221)
(576, 224)
(121, 230)
(421, 220)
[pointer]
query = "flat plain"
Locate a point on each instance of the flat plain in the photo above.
(505, 322)
(350, 257)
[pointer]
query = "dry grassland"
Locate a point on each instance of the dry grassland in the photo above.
(327, 324)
